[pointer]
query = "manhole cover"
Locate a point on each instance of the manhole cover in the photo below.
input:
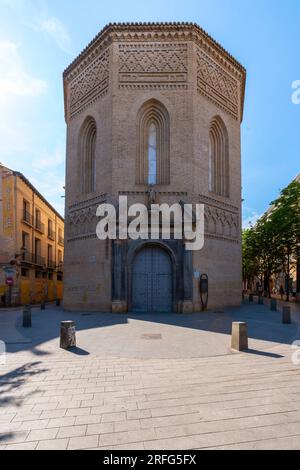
(151, 336)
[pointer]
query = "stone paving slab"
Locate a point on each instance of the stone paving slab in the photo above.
(56, 399)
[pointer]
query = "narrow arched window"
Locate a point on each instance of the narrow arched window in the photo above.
(218, 179)
(152, 153)
(153, 136)
(87, 158)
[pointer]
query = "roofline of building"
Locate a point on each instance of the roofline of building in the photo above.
(119, 27)
(26, 181)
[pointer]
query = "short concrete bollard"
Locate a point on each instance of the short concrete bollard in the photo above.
(239, 336)
(250, 297)
(273, 305)
(260, 300)
(286, 315)
(67, 334)
(27, 316)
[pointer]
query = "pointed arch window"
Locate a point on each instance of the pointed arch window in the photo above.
(87, 156)
(153, 153)
(218, 178)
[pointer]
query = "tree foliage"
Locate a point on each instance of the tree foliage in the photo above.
(272, 244)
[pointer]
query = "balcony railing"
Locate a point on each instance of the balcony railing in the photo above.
(51, 234)
(27, 218)
(38, 259)
(60, 240)
(60, 266)
(51, 264)
(39, 226)
(27, 257)
(33, 258)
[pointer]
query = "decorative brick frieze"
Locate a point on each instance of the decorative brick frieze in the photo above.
(90, 85)
(153, 65)
(217, 84)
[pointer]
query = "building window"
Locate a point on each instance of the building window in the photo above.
(153, 134)
(60, 237)
(50, 230)
(50, 257)
(24, 272)
(25, 241)
(59, 258)
(87, 147)
(27, 217)
(37, 252)
(38, 223)
(218, 158)
(152, 153)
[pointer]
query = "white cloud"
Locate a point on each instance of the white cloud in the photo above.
(35, 16)
(51, 160)
(14, 79)
(54, 28)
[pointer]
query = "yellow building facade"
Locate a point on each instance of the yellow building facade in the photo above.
(31, 243)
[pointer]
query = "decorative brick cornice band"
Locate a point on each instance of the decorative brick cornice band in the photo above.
(220, 237)
(154, 31)
(88, 202)
(81, 237)
(217, 203)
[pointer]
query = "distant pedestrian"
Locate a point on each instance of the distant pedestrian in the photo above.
(281, 292)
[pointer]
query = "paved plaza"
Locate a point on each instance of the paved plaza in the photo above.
(149, 382)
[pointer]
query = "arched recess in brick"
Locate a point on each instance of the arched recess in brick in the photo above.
(87, 157)
(218, 158)
(153, 149)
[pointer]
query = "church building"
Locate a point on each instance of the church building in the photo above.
(153, 112)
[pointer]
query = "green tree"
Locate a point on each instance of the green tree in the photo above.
(285, 215)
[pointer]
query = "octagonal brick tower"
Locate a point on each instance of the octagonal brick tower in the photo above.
(174, 80)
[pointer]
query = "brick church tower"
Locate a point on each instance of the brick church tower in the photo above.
(153, 107)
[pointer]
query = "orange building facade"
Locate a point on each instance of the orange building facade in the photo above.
(31, 243)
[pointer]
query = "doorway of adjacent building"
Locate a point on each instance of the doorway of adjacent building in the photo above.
(152, 281)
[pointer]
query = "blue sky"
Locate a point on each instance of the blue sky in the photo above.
(39, 38)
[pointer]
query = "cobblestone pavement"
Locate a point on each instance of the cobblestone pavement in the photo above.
(159, 393)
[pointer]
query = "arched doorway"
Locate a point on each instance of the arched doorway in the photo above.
(152, 280)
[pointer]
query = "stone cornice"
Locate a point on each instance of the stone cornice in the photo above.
(221, 204)
(163, 32)
(153, 31)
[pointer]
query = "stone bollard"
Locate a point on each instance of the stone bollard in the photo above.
(27, 316)
(250, 297)
(286, 315)
(57, 302)
(67, 334)
(273, 305)
(239, 336)
(260, 300)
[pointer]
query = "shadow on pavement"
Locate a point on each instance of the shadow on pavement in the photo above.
(78, 351)
(263, 353)
(263, 324)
